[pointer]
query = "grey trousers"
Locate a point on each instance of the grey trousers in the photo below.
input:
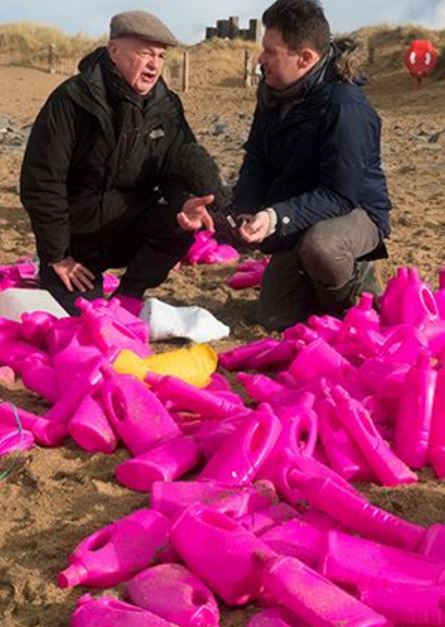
(320, 274)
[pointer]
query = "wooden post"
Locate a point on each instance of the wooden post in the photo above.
(247, 69)
(185, 72)
(52, 58)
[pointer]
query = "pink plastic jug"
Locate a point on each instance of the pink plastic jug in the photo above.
(297, 538)
(166, 462)
(387, 467)
(221, 552)
(408, 605)
(174, 593)
(172, 497)
(275, 617)
(413, 424)
(437, 435)
(188, 396)
(334, 496)
(318, 359)
(136, 414)
(261, 521)
(90, 428)
(110, 612)
(245, 451)
(342, 452)
(116, 552)
(239, 357)
(314, 598)
(379, 565)
(12, 439)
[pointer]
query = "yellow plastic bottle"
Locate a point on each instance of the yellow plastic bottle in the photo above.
(194, 365)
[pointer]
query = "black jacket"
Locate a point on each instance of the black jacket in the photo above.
(320, 161)
(72, 181)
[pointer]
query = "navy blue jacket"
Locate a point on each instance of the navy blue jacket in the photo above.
(320, 161)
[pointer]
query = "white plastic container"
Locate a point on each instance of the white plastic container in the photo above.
(15, 301)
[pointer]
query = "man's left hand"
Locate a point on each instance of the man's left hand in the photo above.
(194, 214)
(255, 228)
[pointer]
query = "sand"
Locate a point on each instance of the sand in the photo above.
(55, 497)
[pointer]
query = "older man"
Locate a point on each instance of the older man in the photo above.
(99, 177)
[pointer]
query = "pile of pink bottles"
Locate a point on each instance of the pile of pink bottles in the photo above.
(271, 501)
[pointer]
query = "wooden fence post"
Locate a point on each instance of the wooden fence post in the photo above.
(247, 69)
(52, 58)
(185, 72)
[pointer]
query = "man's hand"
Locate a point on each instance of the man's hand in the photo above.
(194, 214)
(255, 228)
(73, 275)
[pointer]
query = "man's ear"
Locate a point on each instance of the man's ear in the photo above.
(307, 58)
(112, 48)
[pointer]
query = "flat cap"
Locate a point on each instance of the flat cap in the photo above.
(141, 24)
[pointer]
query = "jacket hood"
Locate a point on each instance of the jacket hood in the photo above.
(91, 59)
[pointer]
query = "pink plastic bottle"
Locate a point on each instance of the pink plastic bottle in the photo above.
(408, 605)
(111, 612)
(433, 542)
(391, 299)
(136, 414)
(276, 358)
(342, 452)
(172, 497)
(211, 434)
(166, 462)
(53, 427)
(17, 353)
(297, 538)
(314, 598)
(298, 436)
(262, 388)
(204, 243)
(261, 521)
(245, 451)
(174, 593)
(241, 280)
(440, 295)
(379, 565)
(300, 332)
(318, 359)
(224, 253)
(90, 428)
(116, 552)
(107, 332)
(383, 378)
(9, 414)
(12, 439)
(418, 305)
(275, 617)
(326, 326)
(437, 434)
(188, 396)
(220, 551)
(239, 357)
(41, 379)
(403, 344)
(387, 467)
(334, 496)
(413, 425)
(35, 328)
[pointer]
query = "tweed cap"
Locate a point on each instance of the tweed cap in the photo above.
(141, 24)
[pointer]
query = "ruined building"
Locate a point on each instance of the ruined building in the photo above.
(230, 29)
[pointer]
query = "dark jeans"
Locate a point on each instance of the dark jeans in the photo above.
(320, 274)
(149, 247)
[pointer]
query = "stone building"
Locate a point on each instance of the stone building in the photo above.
(230, 29)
